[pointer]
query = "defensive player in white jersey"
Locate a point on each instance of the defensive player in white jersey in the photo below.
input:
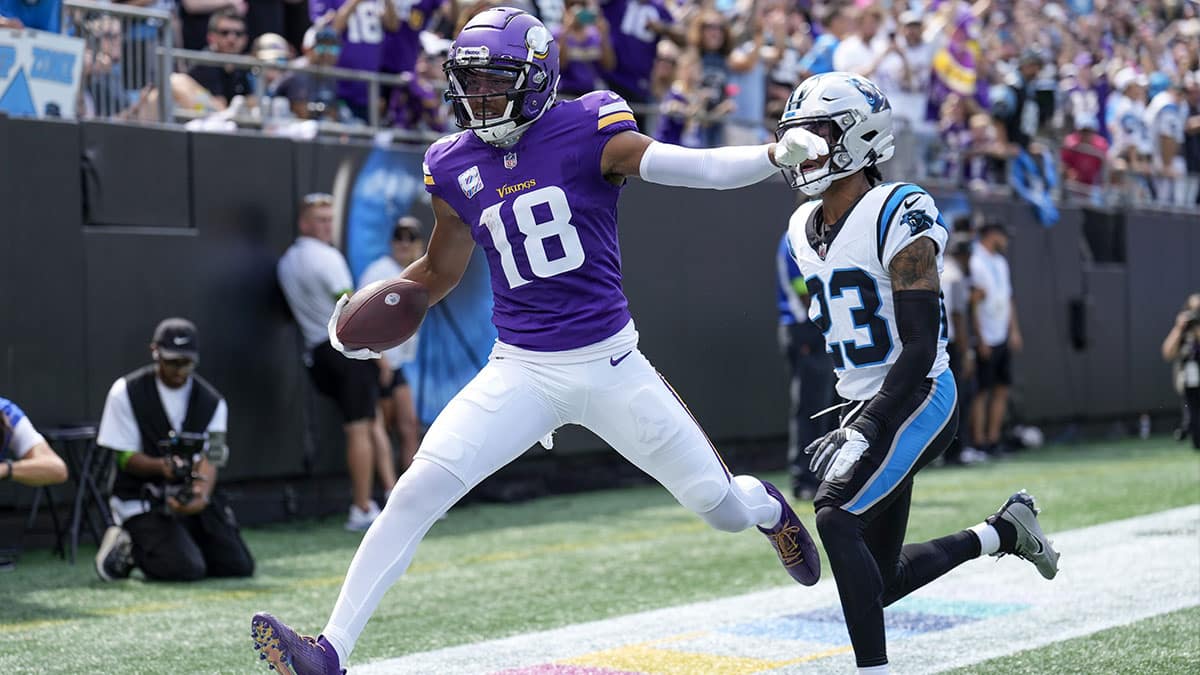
(535, 182)
(871, 255)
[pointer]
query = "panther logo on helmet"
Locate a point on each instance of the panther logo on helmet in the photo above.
(875, 98)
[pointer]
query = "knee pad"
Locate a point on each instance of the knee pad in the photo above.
(706, 496)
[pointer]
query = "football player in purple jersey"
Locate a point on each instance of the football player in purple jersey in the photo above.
(535, 182)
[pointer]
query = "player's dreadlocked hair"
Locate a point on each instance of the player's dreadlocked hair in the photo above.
(874, 176)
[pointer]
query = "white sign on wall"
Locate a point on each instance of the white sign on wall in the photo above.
(39, 73)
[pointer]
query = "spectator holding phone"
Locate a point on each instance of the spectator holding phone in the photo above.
(585, 49)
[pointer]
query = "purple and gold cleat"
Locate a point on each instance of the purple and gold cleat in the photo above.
(792, 542)
(289, 652)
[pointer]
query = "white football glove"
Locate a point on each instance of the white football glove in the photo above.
(798, 146)
(360, 354)
(835, 453)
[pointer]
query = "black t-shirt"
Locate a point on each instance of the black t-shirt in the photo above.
(264, 16)
(194, 28)
(220, 82)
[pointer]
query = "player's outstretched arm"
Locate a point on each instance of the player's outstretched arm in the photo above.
(449, 253)
(915, 295)
(630, 153)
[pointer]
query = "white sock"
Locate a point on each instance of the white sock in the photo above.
(989, 538)
(422, 494)
(874, 670)
(767, 511)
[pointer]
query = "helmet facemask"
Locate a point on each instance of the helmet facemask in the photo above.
(488, 94)
(834, 127)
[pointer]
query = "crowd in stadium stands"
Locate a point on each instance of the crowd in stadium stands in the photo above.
(1023, 93)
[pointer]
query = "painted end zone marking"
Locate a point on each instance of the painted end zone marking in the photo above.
(827, 625)
(1113, 574)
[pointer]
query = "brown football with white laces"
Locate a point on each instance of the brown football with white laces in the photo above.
(381, 315)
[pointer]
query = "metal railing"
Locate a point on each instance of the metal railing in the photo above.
(257, 67)
(126, 56)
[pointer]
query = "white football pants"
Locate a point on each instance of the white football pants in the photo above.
(517, 399)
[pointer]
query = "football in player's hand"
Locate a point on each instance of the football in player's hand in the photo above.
(382, 315)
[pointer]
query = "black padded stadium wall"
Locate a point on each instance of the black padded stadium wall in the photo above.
(109, 228)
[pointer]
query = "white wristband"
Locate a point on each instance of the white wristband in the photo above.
(716, 168)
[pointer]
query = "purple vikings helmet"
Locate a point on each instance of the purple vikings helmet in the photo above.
(506, 57)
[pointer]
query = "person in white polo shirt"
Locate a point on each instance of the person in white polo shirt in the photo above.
(396, 400)
(998, 333)
(313, 274)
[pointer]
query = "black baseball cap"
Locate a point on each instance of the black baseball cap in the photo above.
(175, 338)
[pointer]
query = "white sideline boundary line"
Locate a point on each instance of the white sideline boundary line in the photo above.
(1111, 574)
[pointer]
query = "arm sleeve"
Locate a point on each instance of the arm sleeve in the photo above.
(716, 168)
(918, 314)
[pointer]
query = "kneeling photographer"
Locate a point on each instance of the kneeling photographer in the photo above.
(166, 427)
(1182, 349)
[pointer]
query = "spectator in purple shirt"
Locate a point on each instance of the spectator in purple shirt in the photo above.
(585, 49)
(637, 27)
(418, 105)
(360, 25)
(681, 103)
(402, 40)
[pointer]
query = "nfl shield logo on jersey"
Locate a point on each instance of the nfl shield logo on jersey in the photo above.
(510, 160)
(470, 182)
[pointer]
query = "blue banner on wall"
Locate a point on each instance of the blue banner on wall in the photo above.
(457, 334)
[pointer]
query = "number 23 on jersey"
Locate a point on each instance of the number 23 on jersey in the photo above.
(541, 215)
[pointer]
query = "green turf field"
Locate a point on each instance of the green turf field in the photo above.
(489, 571)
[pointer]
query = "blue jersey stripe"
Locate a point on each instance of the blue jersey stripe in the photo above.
(909, 442)
(890, 206)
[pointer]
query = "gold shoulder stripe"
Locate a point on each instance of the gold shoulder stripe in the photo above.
(614, 118)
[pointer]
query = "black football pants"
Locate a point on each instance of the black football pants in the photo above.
(862, 518)
(187, 548)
